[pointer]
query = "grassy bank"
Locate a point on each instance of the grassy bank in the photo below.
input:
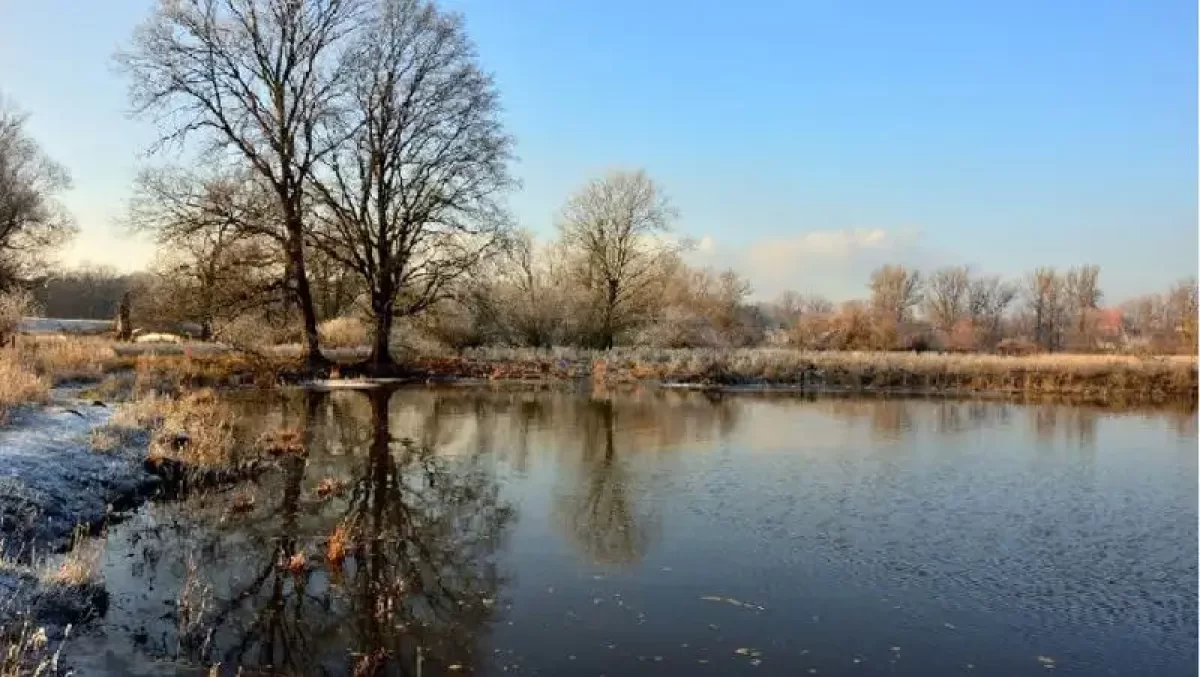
(39, 362)
(1094, 377)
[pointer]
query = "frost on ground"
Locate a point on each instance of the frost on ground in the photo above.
(51, 481)
(51, 478)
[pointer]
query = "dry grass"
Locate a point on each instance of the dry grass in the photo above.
(80, 566)
(344, 332)
(196, 428)
(19, 384)
(1091, 376)
(208, 369)
(70, 358)
(26, 652)
(108, 438)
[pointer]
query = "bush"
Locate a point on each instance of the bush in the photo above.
(344, 332)
(1016, 346)
(14, 305)
(20, 384)
(253, 331)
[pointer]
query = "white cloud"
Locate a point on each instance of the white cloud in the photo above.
(833, 263)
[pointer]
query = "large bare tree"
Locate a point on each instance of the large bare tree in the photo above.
(32, 220)
(256, 80)
(414, 199)
(619, 228)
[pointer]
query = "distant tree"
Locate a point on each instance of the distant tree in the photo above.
(618, 229)
(1181, 307)
(987, 300)
(255, 79)
(32, 220)
(895, 291)
(1044, 295)
(947, 297)
(1083, 296)
(413, 200)
(217, 236)
(532, 292)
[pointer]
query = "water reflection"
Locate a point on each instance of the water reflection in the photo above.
(417, 583)
(395, 546)
(601, 513)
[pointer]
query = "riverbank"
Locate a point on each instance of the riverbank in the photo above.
(1094, 378)
(72, 466)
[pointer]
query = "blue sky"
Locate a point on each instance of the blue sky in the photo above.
(803, 142)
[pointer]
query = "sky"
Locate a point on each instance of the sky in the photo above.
(803, 143)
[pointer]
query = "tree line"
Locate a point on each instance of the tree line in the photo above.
(346, 158)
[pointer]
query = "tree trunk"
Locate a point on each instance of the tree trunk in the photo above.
(381, 356)
(304, 297)
(610, 311)
(124, 323)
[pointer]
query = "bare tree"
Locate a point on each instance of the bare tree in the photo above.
(895, 291)
(255, 79)
(987, 299)
(1181, 309)
(532, 292)
(1045, 298)
(618, 226)
(947, 297)
(32, 221)
(414, 199)
(1082, 298)
(215, 234)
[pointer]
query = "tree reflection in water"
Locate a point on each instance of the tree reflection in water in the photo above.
(601, 513)
(415, 592)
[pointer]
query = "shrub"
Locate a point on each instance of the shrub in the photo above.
(20, 384)
(344, 332)
(1016, 346)
(14, 305)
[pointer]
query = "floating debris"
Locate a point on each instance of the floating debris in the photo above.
(756, 662)
(734, 602)
(454, 667)
(949, 626)
(742, 652)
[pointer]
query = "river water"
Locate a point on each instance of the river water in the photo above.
(668, 533)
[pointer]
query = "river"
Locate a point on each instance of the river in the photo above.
(653, 532)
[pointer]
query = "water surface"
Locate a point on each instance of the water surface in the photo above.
(664, 533)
